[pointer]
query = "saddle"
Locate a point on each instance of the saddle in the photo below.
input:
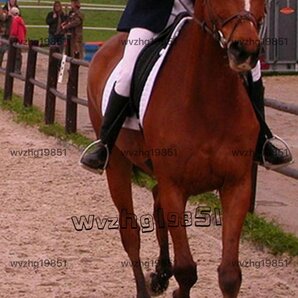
(147, 60)
(147, 67)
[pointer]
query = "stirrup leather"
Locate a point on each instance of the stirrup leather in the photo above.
(267, 164)
(98, 171)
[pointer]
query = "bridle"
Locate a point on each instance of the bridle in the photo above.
(215, 29)
(219, 24)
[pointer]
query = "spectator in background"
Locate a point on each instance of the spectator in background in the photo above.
(5, 23)
(54, 19)
(4, 33)
(18, 30)
(74, 26)
(10, 4)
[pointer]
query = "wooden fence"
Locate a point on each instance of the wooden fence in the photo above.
(50, 86)
(71, 96)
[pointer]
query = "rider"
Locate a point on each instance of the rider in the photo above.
(152, 17)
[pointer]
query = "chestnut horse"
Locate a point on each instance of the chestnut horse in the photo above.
(208, 115)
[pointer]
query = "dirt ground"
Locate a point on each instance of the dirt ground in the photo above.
(277, 194)
(277, 200)
(40, 195)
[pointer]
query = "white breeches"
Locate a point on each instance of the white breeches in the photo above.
(138, 38)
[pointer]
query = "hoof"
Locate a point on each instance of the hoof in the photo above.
(155, 284)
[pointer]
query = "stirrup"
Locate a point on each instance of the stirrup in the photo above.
(270, 166)
(96, 171)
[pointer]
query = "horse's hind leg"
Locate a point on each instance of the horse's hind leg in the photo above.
(173, 203)
(235, 199)
(159, 280)
(119, 179)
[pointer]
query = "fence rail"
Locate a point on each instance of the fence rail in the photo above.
(50, 86)
(281, 106)
(71, 95)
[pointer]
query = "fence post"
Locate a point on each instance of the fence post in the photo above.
(53, 69)
(68, 45)
(72, 91)
(253, 187)
(30, 73)
(10, 65)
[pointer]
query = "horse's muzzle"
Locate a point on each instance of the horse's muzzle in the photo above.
(240, 58)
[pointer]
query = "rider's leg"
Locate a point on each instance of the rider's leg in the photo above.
(117, 108)
(272, 154)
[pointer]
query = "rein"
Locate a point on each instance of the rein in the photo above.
(216, 30)
(217, 34)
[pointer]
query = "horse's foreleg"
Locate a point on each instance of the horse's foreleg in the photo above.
(159, 280)
(119, 179)
(235, 199)
(185, 269)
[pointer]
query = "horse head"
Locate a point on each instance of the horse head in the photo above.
(236, 25)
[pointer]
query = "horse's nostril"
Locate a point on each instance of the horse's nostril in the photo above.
(236, 44)
(240, 51)
(237, 49)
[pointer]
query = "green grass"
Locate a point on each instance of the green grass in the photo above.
(208, 198)
(269, 234)
(96, 18)
(34, 117)
(46, 2)
(143, 179)
(56, 130)
(92, 19)
(256, 229)
(30, 116)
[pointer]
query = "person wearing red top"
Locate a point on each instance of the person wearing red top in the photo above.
(18, 30)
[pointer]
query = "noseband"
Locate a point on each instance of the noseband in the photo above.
(217, 24)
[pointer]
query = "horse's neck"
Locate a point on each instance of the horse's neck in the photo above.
(208, 65)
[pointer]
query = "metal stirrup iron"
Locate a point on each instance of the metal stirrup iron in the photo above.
(99, 171)
(268, 165)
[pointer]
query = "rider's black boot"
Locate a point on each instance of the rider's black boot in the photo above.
(115, 115)
(272, 155)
